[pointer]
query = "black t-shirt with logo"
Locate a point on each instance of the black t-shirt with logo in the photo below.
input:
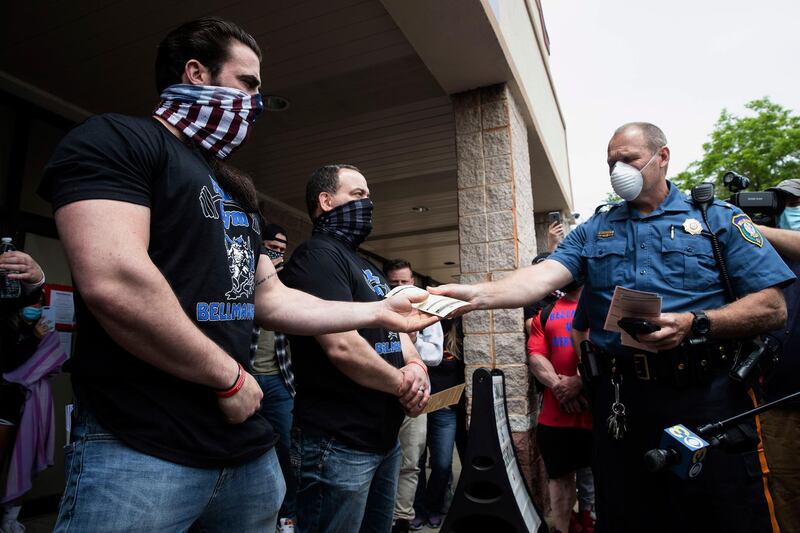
(327, 400)
(206, 247)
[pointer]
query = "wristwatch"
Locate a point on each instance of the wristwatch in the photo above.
(701, 325)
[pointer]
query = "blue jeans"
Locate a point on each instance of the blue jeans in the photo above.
(277, 407)
(431, 492)
(112, 487)
(340, 489)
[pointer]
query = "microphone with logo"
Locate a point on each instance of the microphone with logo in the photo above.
(684, 451)
(681, 450)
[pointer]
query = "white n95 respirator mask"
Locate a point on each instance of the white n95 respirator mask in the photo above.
(627, 180)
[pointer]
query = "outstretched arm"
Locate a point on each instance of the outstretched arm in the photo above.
(522, 287)
(279, 308)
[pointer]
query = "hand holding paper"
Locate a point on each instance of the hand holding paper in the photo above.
(630, 303)
(435, 304)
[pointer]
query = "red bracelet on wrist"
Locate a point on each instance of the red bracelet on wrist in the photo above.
(237, 386)
(420, 364)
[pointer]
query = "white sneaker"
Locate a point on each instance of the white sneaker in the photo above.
(13, 526)
(286, 525)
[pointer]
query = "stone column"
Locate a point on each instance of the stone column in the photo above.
(496, 236)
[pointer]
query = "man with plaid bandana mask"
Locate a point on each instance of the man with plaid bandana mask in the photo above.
(164, 245)
(350, 401)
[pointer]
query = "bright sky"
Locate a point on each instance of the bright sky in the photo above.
(675, 63)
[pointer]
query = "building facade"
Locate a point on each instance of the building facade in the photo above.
(447, 106)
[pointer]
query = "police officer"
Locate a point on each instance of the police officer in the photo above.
(656, 240)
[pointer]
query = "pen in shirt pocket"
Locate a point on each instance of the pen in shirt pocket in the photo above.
(672, 232)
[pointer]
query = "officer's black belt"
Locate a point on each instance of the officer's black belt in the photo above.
(682, 366)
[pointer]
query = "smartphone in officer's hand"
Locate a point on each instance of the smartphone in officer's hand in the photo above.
(637, 326)
(553, 217)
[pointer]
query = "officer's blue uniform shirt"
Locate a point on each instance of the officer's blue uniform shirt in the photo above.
(655, 253)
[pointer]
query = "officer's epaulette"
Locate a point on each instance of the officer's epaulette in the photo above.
(723, 203)
(717, 202)
(605, 208)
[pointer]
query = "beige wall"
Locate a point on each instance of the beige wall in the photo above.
(520, 32)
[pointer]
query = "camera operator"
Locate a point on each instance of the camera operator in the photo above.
(781, 426)
(786, 236)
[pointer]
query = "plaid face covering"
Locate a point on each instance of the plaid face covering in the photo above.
(272, 254)
(217, 118)
(350, 222)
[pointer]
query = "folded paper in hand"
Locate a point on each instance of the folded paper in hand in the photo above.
(435, 304)
(635, 304)
(444, 398)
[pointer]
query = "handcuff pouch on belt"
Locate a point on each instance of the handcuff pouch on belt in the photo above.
(589, 363)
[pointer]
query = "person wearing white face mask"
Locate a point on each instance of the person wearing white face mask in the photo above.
(627, 180)
(781, 426)
(656, 240)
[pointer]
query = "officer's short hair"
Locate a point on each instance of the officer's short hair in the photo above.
(653, 135)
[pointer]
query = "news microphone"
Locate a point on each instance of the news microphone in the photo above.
(681, 450)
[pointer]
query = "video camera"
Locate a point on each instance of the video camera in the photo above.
(763, 207)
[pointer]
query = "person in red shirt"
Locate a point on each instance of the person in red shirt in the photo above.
(564, 428)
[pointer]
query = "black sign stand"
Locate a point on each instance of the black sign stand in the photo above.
(492, 494)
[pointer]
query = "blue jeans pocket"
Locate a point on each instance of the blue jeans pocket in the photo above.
(73, 453)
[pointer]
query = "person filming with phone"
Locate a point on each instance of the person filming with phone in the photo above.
(658, 240)
(555, 230)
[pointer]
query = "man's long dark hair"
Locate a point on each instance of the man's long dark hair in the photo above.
(237, 183)
(207, 40)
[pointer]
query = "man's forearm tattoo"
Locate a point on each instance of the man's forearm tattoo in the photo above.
(269, 276)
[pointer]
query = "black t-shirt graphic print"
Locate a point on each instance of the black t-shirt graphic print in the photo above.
(326, 399)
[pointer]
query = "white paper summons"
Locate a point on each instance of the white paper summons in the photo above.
(441, 306)
(630, 303)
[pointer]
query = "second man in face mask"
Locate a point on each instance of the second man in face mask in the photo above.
(352, 388)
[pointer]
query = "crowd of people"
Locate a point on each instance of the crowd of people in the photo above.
(221, 387)
(30, 353)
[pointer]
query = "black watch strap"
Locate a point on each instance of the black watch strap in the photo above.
(701, 325)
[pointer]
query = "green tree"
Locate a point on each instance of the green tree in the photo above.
(764, 146)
